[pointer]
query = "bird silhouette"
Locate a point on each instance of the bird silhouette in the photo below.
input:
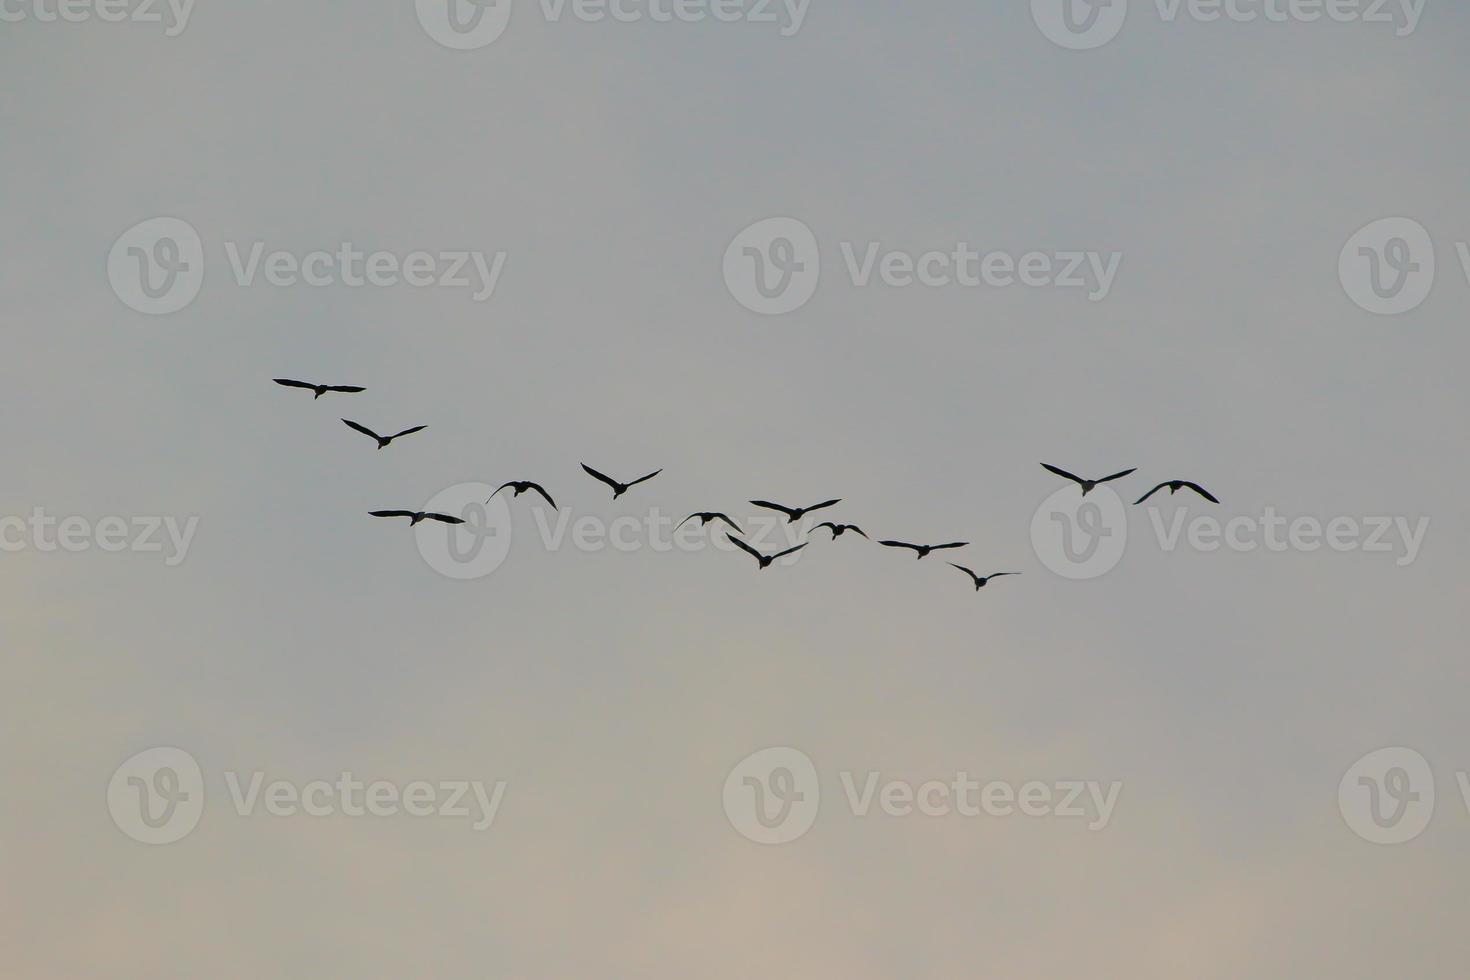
(416, 515)
(923, 549)
(521, 486)
(707, 516)
(1174, 487)
(319, 389)
(794, 514)
(618, 489)
(1087, 485)
(765, 560)
(980, 580)
(838, 530)
(383, 441)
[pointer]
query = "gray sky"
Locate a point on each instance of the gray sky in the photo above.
(613, 163)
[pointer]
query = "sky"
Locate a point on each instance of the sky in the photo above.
(1279, 729)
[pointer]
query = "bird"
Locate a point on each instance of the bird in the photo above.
(763, 559)
(319, 389)
(521, 486)
(1087, 485)
(980, 580)
(705, 517)
(618, 489)
(416, 515)
(382, 440)
(794, 514)
(838, 530)
(923, 549)
(1174, 487)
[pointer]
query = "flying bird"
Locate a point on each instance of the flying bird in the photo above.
(705, 517)
(1087, 485)
(1174, 487)
(794, 514)
(618, 489)
(980, 580)
(838, 530)
(923, 549)
(319, 389)
(382, 440)
(416, 515)
(763, 559)
(521, 486)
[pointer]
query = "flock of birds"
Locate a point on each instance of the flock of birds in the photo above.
(793, 514)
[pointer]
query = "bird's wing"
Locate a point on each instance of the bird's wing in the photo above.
(789, 551)
(1202, 492)
(965, 570)
(828, 503)
(854, 527)
(601, 476)
(827, 524)
(746, 548)
(1117, 476)
(347, 389)
(391, 513)
(770, 506)
(687, 520)
(1149, 494)
(443, 519)
(645, 479)
(545, 496)
(1063, 473)
(944, 547)
(502, 487)
(726, 519)
(1000, 574)
(287, 382)
(900, 544)
(361, 428)
(409, 432)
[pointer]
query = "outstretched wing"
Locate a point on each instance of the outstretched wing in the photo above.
(854, 527)
(726, 519)
(967, 571)
(900, 544)
(544, 495)
(601, 476)
(346, 389)
(829, 503)
(789, 551)
(288, 383)
(1001, 574)
(362, 428)
(1117, 476)
(645, 479)
(500, 488)
(409, 432)
(770, 506)
(945, 547)
(1202, 492)
(443, 519)
(1063, 473)
(1149, 494)
(391, 513)
(745, 548)
(827, 524)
